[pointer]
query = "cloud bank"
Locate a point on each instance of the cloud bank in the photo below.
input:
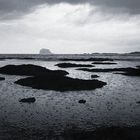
(10, 9)
(70, 28)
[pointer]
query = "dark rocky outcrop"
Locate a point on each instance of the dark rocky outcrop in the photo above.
(123, 71)
(105, 70)
(28, 100)
(29, 70)
(104, 63)
(82, 101)
(60, 83)
(138, 102)
(88, 59)
(2, 78)
(1, 59)
(69, 65)
(42, 78)
(131, 71)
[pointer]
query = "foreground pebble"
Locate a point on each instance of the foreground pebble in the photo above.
(28, 100)
(82, 101)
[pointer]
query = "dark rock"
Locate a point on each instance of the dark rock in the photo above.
(29, 70)
(28, 100)
(82, 101)
(138, 102)
(104, 70)
(94, 76)
(89, 59)
(104, 63)
(1, 59)
(2, 78)
(68, 65)
(60, 83)
(126, 71)
(42, 78)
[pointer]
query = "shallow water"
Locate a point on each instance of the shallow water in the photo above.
(114, 104)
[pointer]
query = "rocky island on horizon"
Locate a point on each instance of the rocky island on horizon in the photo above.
(45, 51)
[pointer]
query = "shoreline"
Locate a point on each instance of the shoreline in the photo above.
(59, 57)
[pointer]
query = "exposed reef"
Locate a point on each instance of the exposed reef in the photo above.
(70, 65)
(123, 71)
(1, 59)
(30, 70)
(104, 63)
(60, 83)
(138, 102)
(42, 78)
(89, 59)
(2, 78)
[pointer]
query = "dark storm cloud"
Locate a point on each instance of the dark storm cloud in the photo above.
(14, 8)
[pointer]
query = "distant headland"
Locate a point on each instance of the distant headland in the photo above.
(135, 53)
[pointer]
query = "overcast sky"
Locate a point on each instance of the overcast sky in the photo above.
(69, 26)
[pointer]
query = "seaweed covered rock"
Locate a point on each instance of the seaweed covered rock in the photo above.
(29, 70)
(60, 83)
(1, 59)
(70, 65)
(42, 78)
(104, 63)
(123, 71)
(2, 78)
